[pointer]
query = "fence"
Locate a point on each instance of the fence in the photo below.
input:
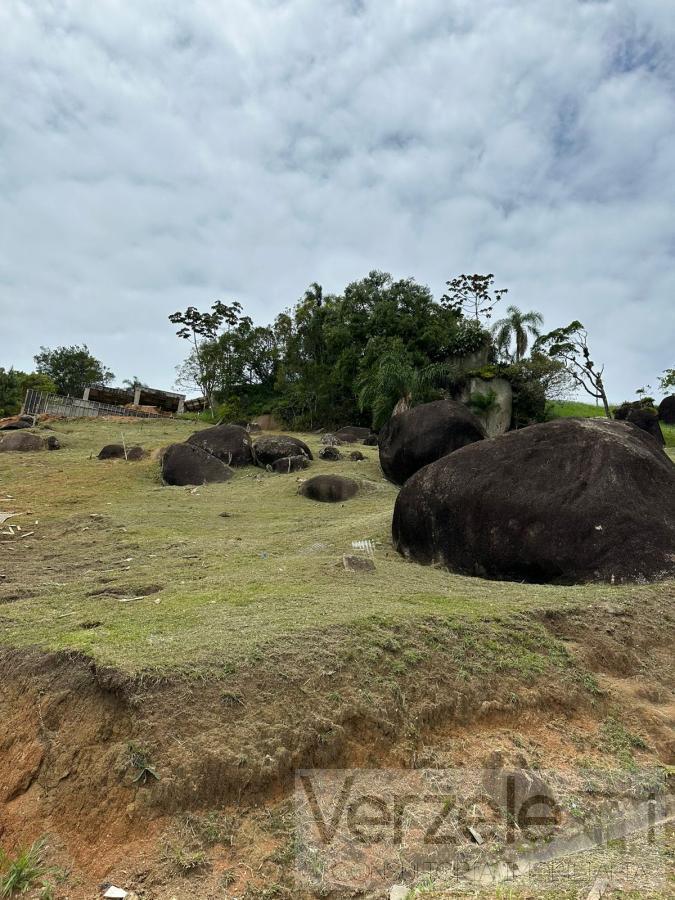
(37, 403)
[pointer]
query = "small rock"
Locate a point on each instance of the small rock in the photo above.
(331, 453)
(358, 564)
(398, 892)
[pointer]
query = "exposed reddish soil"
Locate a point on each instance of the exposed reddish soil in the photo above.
(233, 745)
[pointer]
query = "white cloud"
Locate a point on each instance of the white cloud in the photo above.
(154, 157)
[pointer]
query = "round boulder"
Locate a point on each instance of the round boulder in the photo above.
(329, 488)
(370, 441)
(229, 443)
(356, 456)
(21, 441)
(270, 448)
(352, 434)
(568, 501)
(667, 410)
(647, 421)
(330, 453)
(184, 464)
(289, 464)
(423, 434)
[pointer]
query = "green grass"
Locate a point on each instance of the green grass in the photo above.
(20, 873)
(562, 409)
(215, 592)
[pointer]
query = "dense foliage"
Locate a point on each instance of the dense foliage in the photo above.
(312, 363)
(72, 369)
(13, 387)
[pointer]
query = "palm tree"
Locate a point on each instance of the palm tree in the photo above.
(518, 325)
(394, 385)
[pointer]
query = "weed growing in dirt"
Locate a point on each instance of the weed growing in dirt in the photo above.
(616, 739)
(19, 874)
(184, 860)
(139, 761)
(211, 829)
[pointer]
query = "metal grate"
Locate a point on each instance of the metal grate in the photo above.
(38, 402)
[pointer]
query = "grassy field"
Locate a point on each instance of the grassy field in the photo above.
(146, 577)
(563, 409)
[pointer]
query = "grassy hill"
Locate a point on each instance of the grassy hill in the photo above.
(216, 633)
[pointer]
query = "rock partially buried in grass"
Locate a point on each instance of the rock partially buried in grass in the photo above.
(358, 564)
(423, 434)
(370, 441)
(270, 448)
(569, 501)
(352, 434)
(230, 444)
(329, 488)
(356, 456)
(330, 453)
(116, 451)
(184, 464)
(22, 442)
(289, 464)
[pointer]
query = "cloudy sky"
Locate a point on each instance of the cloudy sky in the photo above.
(155, 155)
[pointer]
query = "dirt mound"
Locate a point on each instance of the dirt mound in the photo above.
(423, 434)
(229, 443)
(21, 441)
(329, 488)
(184, 464)
(572, 500)
(267, 450)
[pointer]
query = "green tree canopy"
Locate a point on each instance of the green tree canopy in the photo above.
(72, 369)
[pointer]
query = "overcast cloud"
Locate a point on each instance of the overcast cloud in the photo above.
(155, 155)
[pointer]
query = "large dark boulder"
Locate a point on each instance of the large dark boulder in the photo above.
(22, 441)
(270, 448)
(567, 501)
(352, 434)
(183, 464)
(329, 488)
(667, 410)
(288, 464)
(116, 451)
(229, 443)
(423, 434)
(647, 421)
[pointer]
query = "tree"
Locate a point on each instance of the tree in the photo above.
(10, 392)
(472, 296)
(570, 346)
(134, 382)
(72, 369)
(518, 326)
(394, 385)
(667, 380)
(201, 329)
